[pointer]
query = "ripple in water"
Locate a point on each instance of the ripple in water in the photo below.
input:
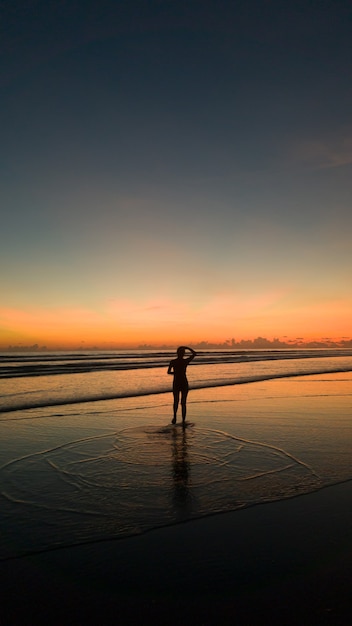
(137, 479)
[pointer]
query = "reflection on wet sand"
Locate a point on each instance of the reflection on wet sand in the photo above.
(137, 478)
(181, 473)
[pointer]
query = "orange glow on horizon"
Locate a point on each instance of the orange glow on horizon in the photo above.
(125, 323)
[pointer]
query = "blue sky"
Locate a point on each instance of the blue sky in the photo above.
(187, 158)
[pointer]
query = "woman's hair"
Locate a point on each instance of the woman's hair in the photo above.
(180, 352)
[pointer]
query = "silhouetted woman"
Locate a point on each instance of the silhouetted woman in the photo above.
(178, 368)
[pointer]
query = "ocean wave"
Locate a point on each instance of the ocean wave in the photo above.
(54, 364)
(27, 404)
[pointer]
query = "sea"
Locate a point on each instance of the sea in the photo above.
(88, 451)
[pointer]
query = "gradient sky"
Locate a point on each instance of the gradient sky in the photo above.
(175, 171)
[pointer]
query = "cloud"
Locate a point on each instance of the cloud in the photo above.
(329, 152)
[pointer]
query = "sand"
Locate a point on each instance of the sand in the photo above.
(288, 562)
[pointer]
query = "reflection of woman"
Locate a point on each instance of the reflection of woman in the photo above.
(178, 368)
(181, 474)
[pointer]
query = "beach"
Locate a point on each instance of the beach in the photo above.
(287, 562)
(111, 514)
(176, 238)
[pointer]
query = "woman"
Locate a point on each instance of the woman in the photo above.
(178, 368)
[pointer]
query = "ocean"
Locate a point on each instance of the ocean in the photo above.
(32, 380)
(88, 452)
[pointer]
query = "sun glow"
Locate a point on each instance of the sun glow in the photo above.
(129, 323)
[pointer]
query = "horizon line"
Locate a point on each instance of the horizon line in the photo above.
(257, 343)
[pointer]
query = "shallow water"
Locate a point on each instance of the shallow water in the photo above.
(87, 472)
(42, 380)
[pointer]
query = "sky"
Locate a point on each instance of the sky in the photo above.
(175, 171)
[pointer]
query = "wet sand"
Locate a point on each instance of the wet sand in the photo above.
(287, 562)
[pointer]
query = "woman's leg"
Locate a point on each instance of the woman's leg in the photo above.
(176, 393)
(184, 393)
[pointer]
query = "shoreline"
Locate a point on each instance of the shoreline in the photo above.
(105, 540)
(285, 562)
